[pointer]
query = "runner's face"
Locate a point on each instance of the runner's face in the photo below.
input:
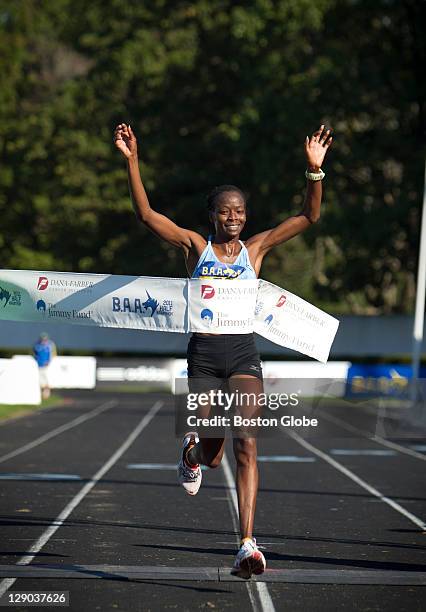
(229, 216)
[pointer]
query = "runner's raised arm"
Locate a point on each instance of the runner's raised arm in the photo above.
(159, 224)
(315, 149)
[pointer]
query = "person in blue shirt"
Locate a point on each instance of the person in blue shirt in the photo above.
(43, 351)
(232, 357)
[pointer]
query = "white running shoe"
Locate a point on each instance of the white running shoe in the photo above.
(189, 477)
(249, 560)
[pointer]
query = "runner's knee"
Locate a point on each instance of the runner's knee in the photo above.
(245, 451)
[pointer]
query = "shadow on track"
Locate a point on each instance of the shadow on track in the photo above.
(272, 556)
(37, 521)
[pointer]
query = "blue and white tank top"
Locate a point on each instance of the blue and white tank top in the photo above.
(209, 266)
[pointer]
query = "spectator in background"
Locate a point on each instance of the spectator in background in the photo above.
(44, 350)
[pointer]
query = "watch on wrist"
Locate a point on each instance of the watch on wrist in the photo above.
(315, 176)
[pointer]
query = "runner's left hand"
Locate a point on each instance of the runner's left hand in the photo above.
(316, 147)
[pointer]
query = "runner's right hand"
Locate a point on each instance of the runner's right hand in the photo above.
(125, 140)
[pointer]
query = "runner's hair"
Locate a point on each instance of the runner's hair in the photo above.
(216, 192)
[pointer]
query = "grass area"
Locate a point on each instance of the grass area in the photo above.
(8, 411)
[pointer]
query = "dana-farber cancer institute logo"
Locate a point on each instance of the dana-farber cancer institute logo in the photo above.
(207, 292)
(63, 284)
(42, 283)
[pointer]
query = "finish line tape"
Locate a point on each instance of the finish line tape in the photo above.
(179, 305)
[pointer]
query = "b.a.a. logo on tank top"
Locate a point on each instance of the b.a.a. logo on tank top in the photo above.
(218, 269)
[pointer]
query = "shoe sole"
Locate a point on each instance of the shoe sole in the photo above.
(191, 443)
(249, 566)
(187, 491)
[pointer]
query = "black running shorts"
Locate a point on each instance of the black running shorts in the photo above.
(212, 361)
(221, 356)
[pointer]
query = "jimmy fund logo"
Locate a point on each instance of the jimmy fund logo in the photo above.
(51, 311)
(148, 308)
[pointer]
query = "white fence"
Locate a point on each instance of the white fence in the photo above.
(19, 377)
(19, 381)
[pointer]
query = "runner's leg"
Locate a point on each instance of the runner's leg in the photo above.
(245, 451)
(249, 560)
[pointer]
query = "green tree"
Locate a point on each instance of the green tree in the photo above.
(217, 92)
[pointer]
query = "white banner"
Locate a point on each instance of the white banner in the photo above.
(222, 307)
(168, 304)
(105, 300)
(286, 319)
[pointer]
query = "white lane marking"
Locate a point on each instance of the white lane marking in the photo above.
(12, 476)
(59, 430)
(284, 459)
(387, 500)
(375, 438)
(375, 452)
(261, 545)
(232, 498)
(49, 532)
(266, 602)
(155, 466)
(151, 466)
(418, 447)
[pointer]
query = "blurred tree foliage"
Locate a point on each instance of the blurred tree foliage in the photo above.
(217, 92)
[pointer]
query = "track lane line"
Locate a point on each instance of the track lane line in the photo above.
(373, 438)
(359, 481)
(266, 603)
(230, 494)
(58, 430)
(61, 518)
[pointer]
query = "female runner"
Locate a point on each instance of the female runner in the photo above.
(227, 356)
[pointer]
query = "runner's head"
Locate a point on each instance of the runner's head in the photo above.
(227, 210)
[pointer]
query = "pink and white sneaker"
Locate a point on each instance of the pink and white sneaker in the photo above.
(189, 477)
(249, 560)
